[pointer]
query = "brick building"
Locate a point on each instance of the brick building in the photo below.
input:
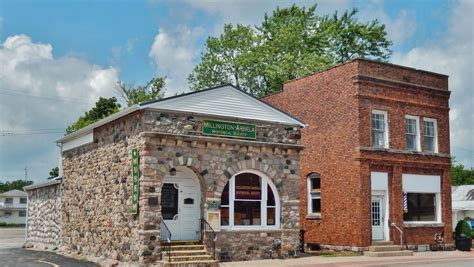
(376, 152)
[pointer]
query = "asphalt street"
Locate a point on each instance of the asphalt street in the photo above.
(13, 255)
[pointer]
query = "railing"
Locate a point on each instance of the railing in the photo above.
(401, 234)
(165, 239)
(208, 237)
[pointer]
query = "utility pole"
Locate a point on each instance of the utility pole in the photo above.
(26, 173)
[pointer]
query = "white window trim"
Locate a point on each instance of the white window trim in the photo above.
(418, 132)
(437, 206)
(435, 124)
(263, 210)
(386, 135)
(309, 197)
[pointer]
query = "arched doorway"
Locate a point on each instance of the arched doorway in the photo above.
(180, 203)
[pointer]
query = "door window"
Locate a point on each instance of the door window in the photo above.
(169, 201)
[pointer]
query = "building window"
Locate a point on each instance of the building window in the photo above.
(8, 200)
(430, 135)
(249, 200)
(8, 213)
(379, 129)
(314, 194)
(421, 207)
(412, 135)
(23, 200)
(22, 213)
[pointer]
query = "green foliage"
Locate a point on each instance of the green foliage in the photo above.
(53, 173)
(463, 228)
(290, 43)
(18, 184)
(461, 176)
(153, 90)
(104, 107)
(4, 224)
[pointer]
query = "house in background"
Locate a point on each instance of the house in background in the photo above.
(463, 203)
(13, 207)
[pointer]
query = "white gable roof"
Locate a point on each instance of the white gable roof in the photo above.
(14, 193)
(226, 101)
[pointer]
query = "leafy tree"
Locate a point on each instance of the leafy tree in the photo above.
(18, 184)
(153, 90)
(290, 43)
(461, 176)
(53, 173)
(104, 107)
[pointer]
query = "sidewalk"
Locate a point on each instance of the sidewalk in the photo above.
(419, 258)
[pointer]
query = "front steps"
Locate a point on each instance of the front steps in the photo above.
(386, 249)
(191, 253)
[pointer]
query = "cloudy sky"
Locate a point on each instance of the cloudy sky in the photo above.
(56, 59)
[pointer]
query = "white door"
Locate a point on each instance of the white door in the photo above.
(377, 218)
(180, 206)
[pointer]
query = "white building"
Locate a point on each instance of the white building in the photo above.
(13, 207)
(463, 202)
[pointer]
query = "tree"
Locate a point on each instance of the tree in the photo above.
(153, 90)
(53, 173)
(461, 176)
(104, 107)
(18, 184)
(290, 43)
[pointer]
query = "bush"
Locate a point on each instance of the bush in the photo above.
(463, 228)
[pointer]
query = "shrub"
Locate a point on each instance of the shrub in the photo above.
(463, 228)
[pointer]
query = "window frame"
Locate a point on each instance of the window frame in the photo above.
(417, 135)
(20, 211)
(265, 182)
(435, 137)
(386, 130)
(437, 209)
(25, 202)
(310, 196)
(9, 200)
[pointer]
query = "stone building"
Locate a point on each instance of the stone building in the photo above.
(149, 173)
(376, 153)
(43, 225)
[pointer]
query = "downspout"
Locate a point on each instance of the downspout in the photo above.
(60, 165)
(27, 215)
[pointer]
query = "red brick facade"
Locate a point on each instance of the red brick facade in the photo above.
(337, 104)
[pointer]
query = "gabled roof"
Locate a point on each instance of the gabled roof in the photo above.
(56, 180)
(225, 101)
(13, 193)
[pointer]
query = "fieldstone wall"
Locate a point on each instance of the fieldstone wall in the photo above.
(97, 186)
(250, 245)
(214, 163)
(185, 124)
(44, 217)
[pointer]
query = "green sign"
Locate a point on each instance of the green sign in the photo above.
(227, 128)
(135, 188)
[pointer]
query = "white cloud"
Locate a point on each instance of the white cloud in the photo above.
(399, 29)
(174, 53)
(453, 55)
(38, 91)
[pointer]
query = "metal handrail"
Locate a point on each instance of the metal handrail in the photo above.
(165, 235)
(401, 234)
(208, 237)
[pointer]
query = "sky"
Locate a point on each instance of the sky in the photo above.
(58, 57)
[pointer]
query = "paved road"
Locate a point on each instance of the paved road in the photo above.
(13, 255)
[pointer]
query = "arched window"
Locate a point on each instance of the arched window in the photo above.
(314, 194)
(250, 200)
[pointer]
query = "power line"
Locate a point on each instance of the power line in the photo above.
(45, 97)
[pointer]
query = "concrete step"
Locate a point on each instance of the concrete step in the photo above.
(384, 248)
(185, 242)
(186, 252)
(190, 258)
(382, 243)
(388, 253)
(187, 247)
(193, 263)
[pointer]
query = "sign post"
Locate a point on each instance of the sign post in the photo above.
(135, 181)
